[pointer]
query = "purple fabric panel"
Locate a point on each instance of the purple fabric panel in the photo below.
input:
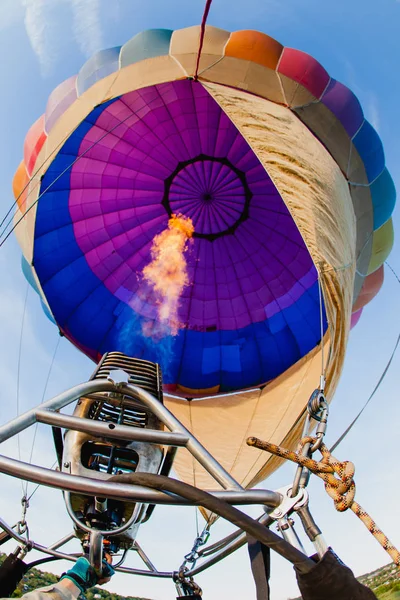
(115, 205)
(344, 105)
(59, 100)
(210, 193)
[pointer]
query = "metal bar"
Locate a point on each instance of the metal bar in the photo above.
(29, 418)
(110, 430)
(96, 552)
(121, 491)
(130, 571)
(144, 557)
(197, 450)
(63, 541)
(173, 424)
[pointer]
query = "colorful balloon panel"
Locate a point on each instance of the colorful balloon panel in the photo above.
(253, 309)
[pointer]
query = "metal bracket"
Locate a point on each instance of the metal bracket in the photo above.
(288, 504)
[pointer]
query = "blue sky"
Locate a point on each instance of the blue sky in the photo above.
(42, 42)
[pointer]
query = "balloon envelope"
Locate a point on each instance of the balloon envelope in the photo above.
(277, 168)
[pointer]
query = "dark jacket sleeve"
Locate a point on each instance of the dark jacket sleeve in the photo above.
(330, 579)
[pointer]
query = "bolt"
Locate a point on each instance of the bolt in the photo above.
(277, 512)
(66, 465)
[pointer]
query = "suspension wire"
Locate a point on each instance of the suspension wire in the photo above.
(202, 33)
(47, 159)
(380, 380)
(321, 318)
(19, 369)
(42, 400)
(39, 484)
(6, 236)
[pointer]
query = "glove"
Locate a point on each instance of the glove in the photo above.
(85, 577)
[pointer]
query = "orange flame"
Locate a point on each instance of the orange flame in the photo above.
(167, 273)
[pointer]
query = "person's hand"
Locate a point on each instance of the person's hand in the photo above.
(107, 571)
(84, 576)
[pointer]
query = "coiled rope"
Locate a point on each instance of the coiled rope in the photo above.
(338, 477)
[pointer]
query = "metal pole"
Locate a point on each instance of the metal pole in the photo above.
(63, 541)
(110, 430)
(144, 557)
(29, 418)
(122, 491)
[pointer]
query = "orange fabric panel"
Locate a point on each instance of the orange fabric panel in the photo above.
(19, 183)
(35, 138)
(254, 46)
(371, 286)
(200, 392)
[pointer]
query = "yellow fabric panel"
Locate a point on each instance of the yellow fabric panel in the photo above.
(24, 221)
(295, 94)
(254, 46)
(362, 203)
(382, 244)
(246, 75)
(318, 197)
(185, 45)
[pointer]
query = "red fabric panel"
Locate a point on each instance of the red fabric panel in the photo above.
(304, 69)
(35, 138)
(371, 286)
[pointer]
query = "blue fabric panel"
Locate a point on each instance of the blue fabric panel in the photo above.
(100, 65)
(97, 307)
(27, 271)
(230, 359)
(269, 352)
(225, 358)
(147, 44)
(54, 212)
(68, 288)
(54, 251)
(383, 194)
(47, 312)
(370, 149)
(190, 375)
(211, 362)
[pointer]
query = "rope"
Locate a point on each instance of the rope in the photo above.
(202, 33)
(339, 484)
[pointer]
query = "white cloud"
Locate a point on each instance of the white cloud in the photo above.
(87, 26)
(37, 24)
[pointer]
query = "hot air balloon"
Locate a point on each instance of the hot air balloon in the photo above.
(284, 183)
(286, 186)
